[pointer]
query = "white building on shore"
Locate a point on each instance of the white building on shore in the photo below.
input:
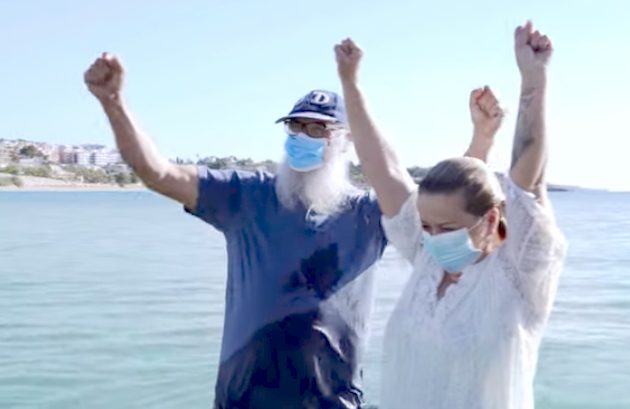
(89, 155)
(83, 158)
(103, 158)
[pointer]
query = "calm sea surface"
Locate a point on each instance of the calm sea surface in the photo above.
(115, 300)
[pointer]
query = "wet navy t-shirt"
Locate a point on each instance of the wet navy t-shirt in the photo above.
(298, 293)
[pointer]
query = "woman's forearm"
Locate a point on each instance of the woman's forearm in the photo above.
(529, 152)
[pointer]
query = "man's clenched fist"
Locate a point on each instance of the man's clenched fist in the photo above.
(348, 58)
(104, 78)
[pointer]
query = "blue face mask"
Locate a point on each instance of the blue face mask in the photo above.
(304, 153)
(452, 250)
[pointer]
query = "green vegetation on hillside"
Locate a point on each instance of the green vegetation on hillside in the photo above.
(118, 175)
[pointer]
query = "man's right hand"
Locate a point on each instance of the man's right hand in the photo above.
(104, 78)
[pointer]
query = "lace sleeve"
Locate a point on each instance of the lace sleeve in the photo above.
(535, 247)
(404, 230)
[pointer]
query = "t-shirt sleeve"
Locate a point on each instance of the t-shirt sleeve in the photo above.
(226, 197)
(536, 248)
(374, 216)
(404, 230)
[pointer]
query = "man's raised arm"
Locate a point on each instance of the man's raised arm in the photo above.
(104, 79)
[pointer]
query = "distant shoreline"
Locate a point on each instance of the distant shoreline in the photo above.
(97, 187)
(81, 188)
(39, 184)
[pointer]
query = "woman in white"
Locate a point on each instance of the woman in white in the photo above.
(466, 332)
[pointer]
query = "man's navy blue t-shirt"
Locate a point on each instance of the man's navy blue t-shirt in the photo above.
(298, 294)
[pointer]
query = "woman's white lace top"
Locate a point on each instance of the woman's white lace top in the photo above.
(477, 347)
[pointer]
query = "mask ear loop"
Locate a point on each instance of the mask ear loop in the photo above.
(486, 241)
(474, 226)
(502, 225)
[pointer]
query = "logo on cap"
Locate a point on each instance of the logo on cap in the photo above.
(319, 98)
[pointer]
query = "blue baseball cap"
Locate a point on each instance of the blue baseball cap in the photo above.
(319, 104)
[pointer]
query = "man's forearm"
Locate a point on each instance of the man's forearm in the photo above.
(529, 147)
(137, 149)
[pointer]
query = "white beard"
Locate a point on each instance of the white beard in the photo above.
(324, 190)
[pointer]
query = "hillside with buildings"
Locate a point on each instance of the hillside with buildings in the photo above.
(36, 153)
(90, 164)
(73, 164)
(36, 164)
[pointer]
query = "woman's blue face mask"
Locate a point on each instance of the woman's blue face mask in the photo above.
(452, 250)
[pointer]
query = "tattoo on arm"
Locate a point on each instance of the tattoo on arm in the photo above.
(523, 137)
(529, 150)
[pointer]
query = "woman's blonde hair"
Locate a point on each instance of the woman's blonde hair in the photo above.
(472, 177)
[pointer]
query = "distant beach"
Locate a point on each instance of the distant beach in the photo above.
(37, 184)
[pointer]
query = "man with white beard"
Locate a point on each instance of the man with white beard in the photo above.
(301, 246)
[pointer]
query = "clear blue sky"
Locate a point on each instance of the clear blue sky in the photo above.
(210, 77)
